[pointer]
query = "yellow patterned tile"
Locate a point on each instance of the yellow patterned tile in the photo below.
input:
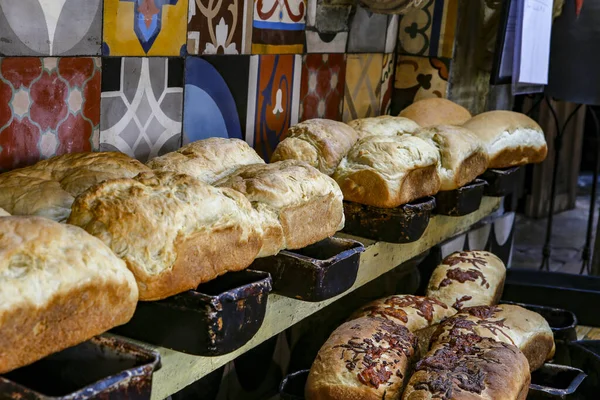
(363, 86)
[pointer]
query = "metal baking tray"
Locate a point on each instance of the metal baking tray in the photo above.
(462, 201)
(404, 224)
(553, 381)
(215, 319)
(315, 273)
(562, 322)
(501, 182)
(292, 386)
(101, 368)
(585, 354)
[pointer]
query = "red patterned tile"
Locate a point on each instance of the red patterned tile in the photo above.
(322, 87)
(20, 71)
(5, 96)
(19, 144)
(76, 70)
(48, 97)
(74, 135)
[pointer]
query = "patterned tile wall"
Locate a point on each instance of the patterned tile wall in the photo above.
(145, 76)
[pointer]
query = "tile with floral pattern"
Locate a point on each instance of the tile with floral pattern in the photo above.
(322, 87)
(363, 86)
(278, 26)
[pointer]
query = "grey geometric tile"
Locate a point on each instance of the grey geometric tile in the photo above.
(367, 32)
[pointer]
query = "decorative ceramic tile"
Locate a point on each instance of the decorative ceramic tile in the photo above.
(48, 106)
(142, 101)
(391, 37)
(430, 30)
(144, 27)
(322, 88)
(61, 27)
(211, 107)
(218, 26)
(368, 32)
(273, 100)
(418, 78)
(363, 86)
(327, 27)
(387, 86)
(278, 26)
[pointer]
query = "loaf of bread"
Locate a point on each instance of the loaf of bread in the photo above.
(468, 278)
(388, 171)
(386, 125)
(322, 143)
(436, 111)
(173, 231)
(366, 359)
(463, 157)
(207, 160)
(507, 323)
(59, 287)
(49, 187)
(297, 204)
(3, 213)
(511, 138)
(470, 368)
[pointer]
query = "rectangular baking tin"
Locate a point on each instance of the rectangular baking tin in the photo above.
(562, 322)
(101, 368)
(292, 386)
(462, 201)
(315, 273)
(501, 182)
(217, 318)
(553, 381)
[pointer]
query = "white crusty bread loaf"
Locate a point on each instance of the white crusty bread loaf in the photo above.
(3, 213)
(436, 111)
(511, 138)
(366, 359)
(322, 143)
(468, 278)
(48, 188)
(463, 156)
(470, 368)
(297, 204)
(207, 160)
(386, 125)
(388, 171)
(59, 286)
(173, 231)
(507, 323)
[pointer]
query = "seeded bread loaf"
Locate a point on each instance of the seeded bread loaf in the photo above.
(511, 138)
(297, 204)
(436, 111)
(59, 286)
(207, 160)
(386, 125)
(3, 213)
(468, 278)
(322, 143)
(173, 231)
(366, 359)
(388, 171)
(506, 323)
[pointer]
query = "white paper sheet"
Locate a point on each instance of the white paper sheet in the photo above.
(535, 35)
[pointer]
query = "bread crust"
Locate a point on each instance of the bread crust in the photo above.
(436, 111)
(385, 125)
(3, 213)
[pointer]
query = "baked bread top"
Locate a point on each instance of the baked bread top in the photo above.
(49, 187)
(463, 156)
(3, 213)
(321, 143)
(207, 160)
(436, 111)
(386, 125)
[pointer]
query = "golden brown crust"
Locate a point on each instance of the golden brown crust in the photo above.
(3, 213)
(386, 125)
(436, 111)
(471, 168)
(518, 156)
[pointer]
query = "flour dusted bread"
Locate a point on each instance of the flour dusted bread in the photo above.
(468, 278)
(388, 171)
(49, 187)
(59, 286)
(510, 138)
(386, 125)
(207, 160)
(172, 230)
(322, 143)
(463, 157)
(366, 359)
(470, 368)
(436, 111)
(506, 323)
(3, 213)
(297, 204)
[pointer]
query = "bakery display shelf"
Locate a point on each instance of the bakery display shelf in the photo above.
(180, 370)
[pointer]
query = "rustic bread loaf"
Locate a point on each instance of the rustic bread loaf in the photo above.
(3, 213)
(59, 287)
(207, 160)
(322, 143)
(173, 231)
(436, 111)
(463, 156)
(388, 171)
(49, 187)
(386, 125)
(297, 204)
(366, 359)
(510, 138)
(506, 323)
(470, 368)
